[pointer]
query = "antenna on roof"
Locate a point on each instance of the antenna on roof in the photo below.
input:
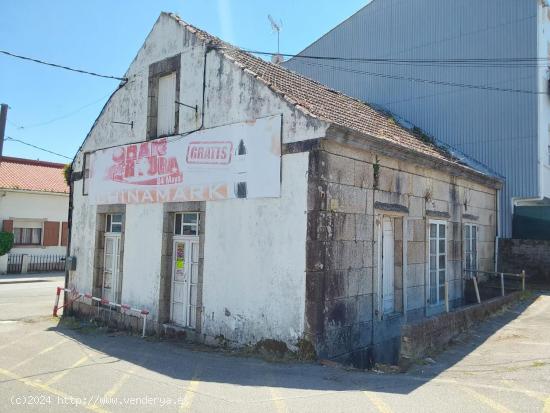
(276, 27)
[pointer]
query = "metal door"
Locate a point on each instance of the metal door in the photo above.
(388, 266)
(185, 272)
(111, 268)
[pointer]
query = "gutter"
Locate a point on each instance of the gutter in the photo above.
(29, 191)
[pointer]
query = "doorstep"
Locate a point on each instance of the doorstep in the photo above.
(172, 330)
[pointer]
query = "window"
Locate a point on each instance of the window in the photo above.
(164, 91)
(85, 173)
(186, 223)
(166, 105)
(470, 246)
(113, 223)
(438, 261)
(27, 236)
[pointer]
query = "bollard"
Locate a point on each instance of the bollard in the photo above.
(477, 289)
(56, 306)
(144, 312)
(502, 284)
(523, 280)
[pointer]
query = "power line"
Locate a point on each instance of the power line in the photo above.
(475, 62)
(74, 112)
(124, 79)
(9, 138)
(427, 81)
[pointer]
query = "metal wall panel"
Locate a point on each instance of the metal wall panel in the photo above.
(497, 128)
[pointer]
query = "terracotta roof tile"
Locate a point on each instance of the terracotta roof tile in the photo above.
(31, 175)
(327, 104)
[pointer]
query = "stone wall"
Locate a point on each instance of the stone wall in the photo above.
(431, 335)
(533, 256)
(350, 191)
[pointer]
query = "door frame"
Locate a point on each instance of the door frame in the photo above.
(440, 302)
(379, 216)
(180, 238)
(391, 220)
(116, 280)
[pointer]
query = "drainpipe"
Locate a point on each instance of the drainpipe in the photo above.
(69, 233)
(498, 222)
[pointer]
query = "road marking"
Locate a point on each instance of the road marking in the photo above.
(48, 389)
(486, 400)
(278, 401)
(377, 401)
(534, 394)
(66, 371)
(190, 392)
(3, 346)
(118, 385)
(46, 350)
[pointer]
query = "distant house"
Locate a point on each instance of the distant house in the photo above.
(239, 202)
(34, 203)
(473, 74)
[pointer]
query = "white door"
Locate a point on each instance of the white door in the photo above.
(166, 104)
(185, 273)
(111, 266)
(388, 266)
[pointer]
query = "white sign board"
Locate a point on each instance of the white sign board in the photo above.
(241, 160)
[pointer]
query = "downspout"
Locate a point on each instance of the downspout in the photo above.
(370, 351)
(69, 232)
(498, 225)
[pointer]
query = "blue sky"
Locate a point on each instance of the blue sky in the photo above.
(55, 109)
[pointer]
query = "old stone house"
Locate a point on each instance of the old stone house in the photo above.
(359, 225)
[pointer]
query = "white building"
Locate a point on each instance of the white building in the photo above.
(239, 202)
(34, 205)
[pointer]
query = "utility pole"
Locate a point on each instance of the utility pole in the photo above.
(3, 117)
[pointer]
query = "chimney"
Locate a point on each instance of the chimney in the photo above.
(3, 117)
(277, 59)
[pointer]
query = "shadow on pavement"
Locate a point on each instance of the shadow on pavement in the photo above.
(187, 362)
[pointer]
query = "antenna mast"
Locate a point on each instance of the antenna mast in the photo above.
(276, 27)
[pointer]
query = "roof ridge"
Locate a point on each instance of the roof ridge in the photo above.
(34, 162)
(207, 36)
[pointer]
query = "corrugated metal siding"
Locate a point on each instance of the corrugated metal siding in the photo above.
(496, 128)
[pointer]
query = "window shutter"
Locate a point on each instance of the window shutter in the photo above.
(7, 225)
(51, 234)
(64, 233)
(166, 105)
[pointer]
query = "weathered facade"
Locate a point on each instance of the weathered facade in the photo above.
(340, 259)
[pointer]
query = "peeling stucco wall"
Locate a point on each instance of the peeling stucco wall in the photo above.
(254, 252)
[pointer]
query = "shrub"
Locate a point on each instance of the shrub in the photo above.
(6, 242)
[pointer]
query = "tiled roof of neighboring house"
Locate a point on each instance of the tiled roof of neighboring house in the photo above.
(329, 105)
(31, 175)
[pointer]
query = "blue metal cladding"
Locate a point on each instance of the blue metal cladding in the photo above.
(497, 128)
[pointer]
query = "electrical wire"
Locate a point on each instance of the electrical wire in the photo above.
(427, 81)
(475, 62)
(9, 138)
(124, 79)
(74, 112)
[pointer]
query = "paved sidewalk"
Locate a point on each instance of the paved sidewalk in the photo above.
(31, 277)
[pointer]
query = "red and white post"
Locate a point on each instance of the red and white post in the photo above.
(56, 306)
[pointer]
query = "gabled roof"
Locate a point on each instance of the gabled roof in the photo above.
(318, 100)
(30, 175)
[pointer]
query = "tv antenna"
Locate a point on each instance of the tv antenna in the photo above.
(276, 27)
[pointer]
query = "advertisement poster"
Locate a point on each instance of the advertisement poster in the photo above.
(241, 160)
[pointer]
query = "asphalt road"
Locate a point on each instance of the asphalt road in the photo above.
(502, 366)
